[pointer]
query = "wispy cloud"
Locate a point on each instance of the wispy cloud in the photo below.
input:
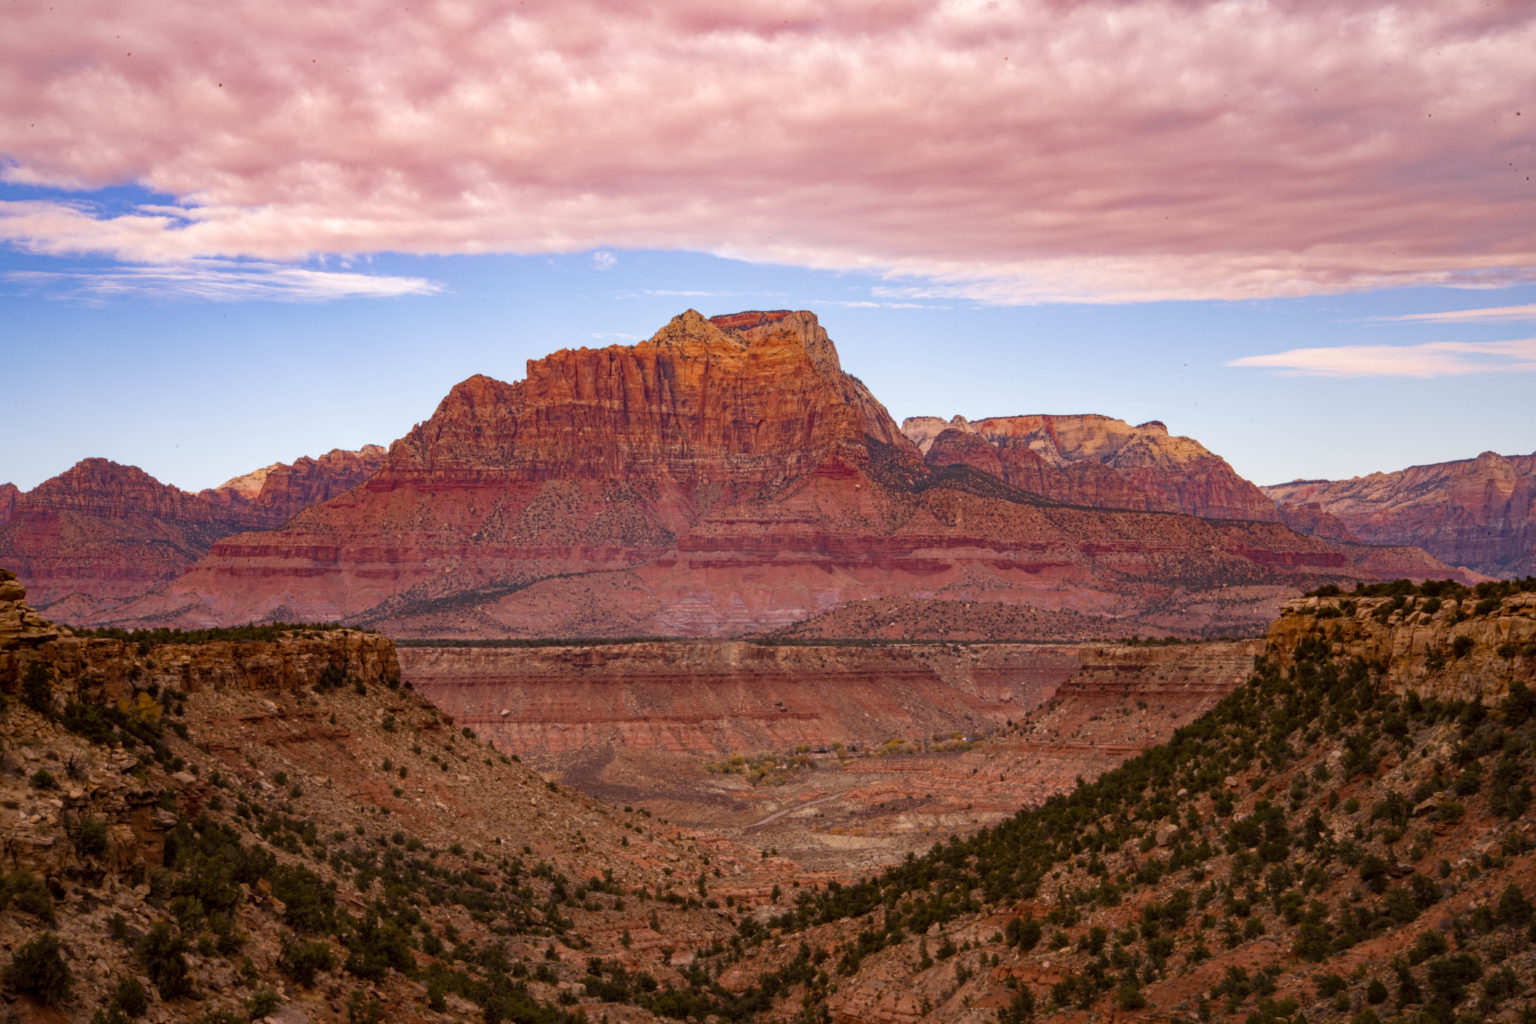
(1491, 315)
(604, 260)
(1435, 359)
(222, 281)
(1014, 152)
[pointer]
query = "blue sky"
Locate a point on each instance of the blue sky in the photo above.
(198, 391)
(1270, 225)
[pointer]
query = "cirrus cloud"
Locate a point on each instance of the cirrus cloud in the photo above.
(1024, 151)
(1433, 359)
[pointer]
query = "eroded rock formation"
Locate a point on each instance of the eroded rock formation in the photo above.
(1480, 513)
(723, 477)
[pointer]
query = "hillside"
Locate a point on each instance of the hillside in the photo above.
(1347, 837)
(269, 822)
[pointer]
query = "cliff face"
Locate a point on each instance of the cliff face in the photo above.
(8, 496)
(1442, 647)
(113, 668)
(712, 699)
(1476, 512)
(723, 477)
(102, 533)
(1096, 461)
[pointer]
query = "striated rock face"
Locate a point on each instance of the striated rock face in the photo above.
(274, 494)
(102, 533)
(1475, 512)
(710, 699)
(723, 477)
(1447, 648)
(1096, 461)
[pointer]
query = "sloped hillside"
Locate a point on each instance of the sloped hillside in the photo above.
(1346, 837)
(267, 822)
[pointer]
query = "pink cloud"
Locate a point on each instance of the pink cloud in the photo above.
(1012, 152)
(1433, 359)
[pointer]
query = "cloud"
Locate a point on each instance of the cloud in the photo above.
(1491, 315)
(1022, 151)
(1435, 359)
(604, 260)
(223, 281)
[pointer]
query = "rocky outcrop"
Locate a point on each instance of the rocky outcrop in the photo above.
(274, 494)
(102, 533)
(724, 477)
(1480, 513)
(1452, 647)
(114, 667)
(1095, 460)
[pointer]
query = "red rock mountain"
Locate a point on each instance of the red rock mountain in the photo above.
(1480, 513)
(722, 477)
(102, 533)
(1096, 461)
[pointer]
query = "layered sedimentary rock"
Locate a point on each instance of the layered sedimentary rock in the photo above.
(706, 699)
(1095, 460)
(1475, 512)
(102, 533)
(723, 477)
(1456, 647)
(117, 667)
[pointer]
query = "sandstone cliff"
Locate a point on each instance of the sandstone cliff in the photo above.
(1475, 512)
(723, 477)
(1458, 646)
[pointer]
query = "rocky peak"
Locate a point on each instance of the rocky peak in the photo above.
(104, 487)
(9, 493)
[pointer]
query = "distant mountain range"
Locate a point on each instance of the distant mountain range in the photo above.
(724, 477)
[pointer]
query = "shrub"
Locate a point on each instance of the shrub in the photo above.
(37, 688)
(27, 893)
(162, 954)
(301, 960)
(130, 997)
(38, 968)
(90, 837)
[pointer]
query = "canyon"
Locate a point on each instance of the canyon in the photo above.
(841, 756)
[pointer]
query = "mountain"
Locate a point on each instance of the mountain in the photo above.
(102, 533)
(1095, 460)
(723, 477)
(1480, 513)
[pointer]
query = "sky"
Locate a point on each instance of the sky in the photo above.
(1301, 233)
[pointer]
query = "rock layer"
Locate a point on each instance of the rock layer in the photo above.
(714, 698)
(1480, 513)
